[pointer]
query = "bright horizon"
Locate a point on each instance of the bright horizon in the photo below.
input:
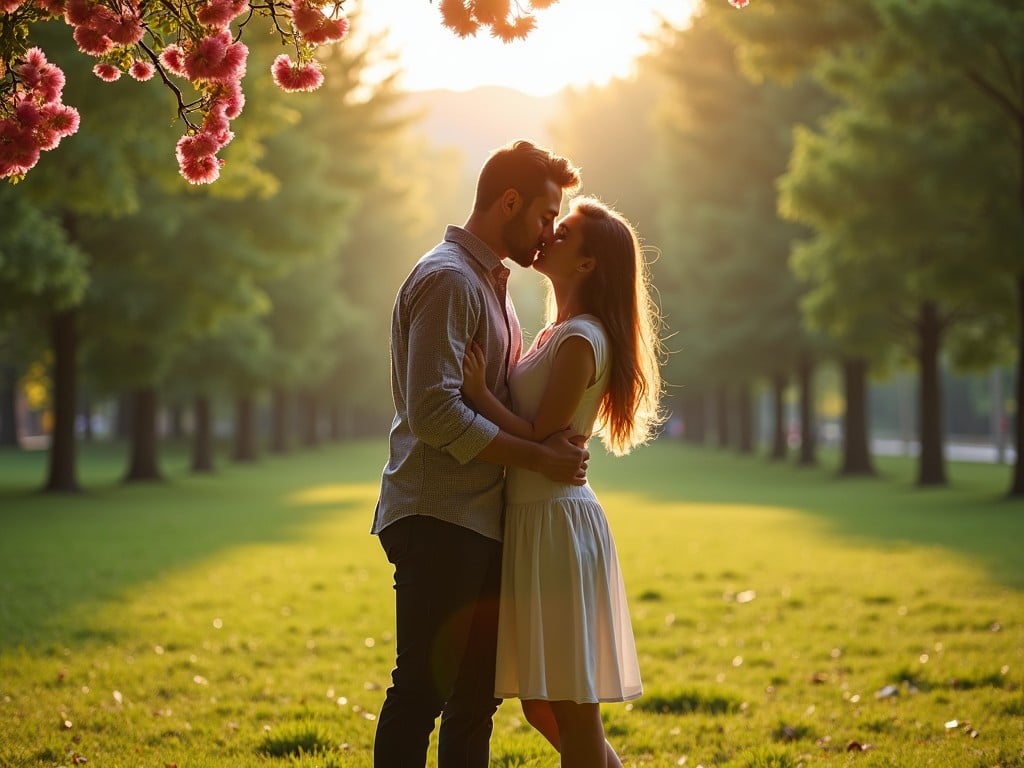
(576, 43)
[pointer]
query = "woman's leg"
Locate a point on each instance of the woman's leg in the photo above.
(538, 714)
(578, 735)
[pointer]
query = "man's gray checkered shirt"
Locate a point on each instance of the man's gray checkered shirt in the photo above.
(455, 293)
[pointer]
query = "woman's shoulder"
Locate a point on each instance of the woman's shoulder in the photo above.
(592, 329)
(586, 325)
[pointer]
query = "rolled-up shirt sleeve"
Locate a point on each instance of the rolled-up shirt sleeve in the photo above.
(444, 312)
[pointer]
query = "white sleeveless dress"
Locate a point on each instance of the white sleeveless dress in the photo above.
(564, 631)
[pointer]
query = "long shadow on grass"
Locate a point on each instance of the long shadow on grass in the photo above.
(59, 553)
(972, 516)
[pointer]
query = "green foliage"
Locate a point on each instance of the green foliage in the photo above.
(724, 276)
(912, 183)
(296, 740)
(768, 757)
(688, 702)
(38, 265)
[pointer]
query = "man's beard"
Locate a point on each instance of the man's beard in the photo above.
(512, 237)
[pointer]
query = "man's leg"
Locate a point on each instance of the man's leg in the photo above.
(466, 725)
(439, 572)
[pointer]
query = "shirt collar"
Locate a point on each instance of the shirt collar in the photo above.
(476, 248)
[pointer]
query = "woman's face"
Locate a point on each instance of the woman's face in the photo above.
(563, 255)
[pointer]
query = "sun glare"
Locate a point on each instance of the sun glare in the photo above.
(576, 43)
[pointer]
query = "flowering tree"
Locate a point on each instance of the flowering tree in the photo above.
(197, 41)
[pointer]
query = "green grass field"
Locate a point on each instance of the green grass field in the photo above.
(784, 616)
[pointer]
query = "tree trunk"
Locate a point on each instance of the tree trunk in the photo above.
(779, 444)
(808, 431)
(722, 415)
(245, 429)
(745, 412)
(145, 464)
(8, 406)
(856, 445)
(279, 422)
(202, 437)
(63, 476)
(310, 434)
(1017, 484)
(931, 468)
(335, 423)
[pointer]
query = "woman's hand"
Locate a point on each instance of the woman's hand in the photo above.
(474, 369)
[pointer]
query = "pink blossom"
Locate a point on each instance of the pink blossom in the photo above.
(27, 114)
(127, 30)
(195, 147)
(217, 127)
(229, 98)
(35, 57)
(295, 77)
(19, 151)
(102, 19)
(29, 74)
(739, 3)
(315, 26)
(173, 59)
(306, 16)
(61, 119)
(200, 170)
(10, 6)
(44, 80)
(108, 73)
(216, 59)
(46, 138)
(220, 13)
(78, 12)
(50, 85)
(329, 31)
(142, 70)
(92, 42)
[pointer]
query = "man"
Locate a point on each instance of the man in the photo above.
(439, 513)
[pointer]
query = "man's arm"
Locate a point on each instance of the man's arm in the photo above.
(442, 315)
(557, 458)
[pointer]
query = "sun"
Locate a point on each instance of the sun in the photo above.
(576, 43)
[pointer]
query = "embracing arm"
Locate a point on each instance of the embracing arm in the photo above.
(572, 371)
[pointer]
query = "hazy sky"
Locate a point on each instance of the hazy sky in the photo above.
(577, 42)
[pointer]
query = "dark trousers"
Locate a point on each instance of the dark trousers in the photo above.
(447, 581)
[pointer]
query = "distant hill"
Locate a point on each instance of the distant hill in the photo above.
(475, 122)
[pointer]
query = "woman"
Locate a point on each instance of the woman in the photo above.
(565, 641)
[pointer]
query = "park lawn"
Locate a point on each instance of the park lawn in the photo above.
(783, 616)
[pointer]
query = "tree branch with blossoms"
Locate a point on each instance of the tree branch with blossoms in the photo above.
(187, 39)
(198, 41)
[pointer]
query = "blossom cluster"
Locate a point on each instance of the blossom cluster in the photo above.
(36, 119)
(129, 35)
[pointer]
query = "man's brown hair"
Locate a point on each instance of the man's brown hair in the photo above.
(525, 167)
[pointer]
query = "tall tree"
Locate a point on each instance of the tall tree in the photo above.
(727, 140)
(39, 269)
(981, 45)
(895, 191)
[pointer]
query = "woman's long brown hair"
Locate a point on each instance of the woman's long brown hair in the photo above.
(618, 292)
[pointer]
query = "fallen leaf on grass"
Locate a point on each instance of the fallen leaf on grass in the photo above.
(855, 746)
